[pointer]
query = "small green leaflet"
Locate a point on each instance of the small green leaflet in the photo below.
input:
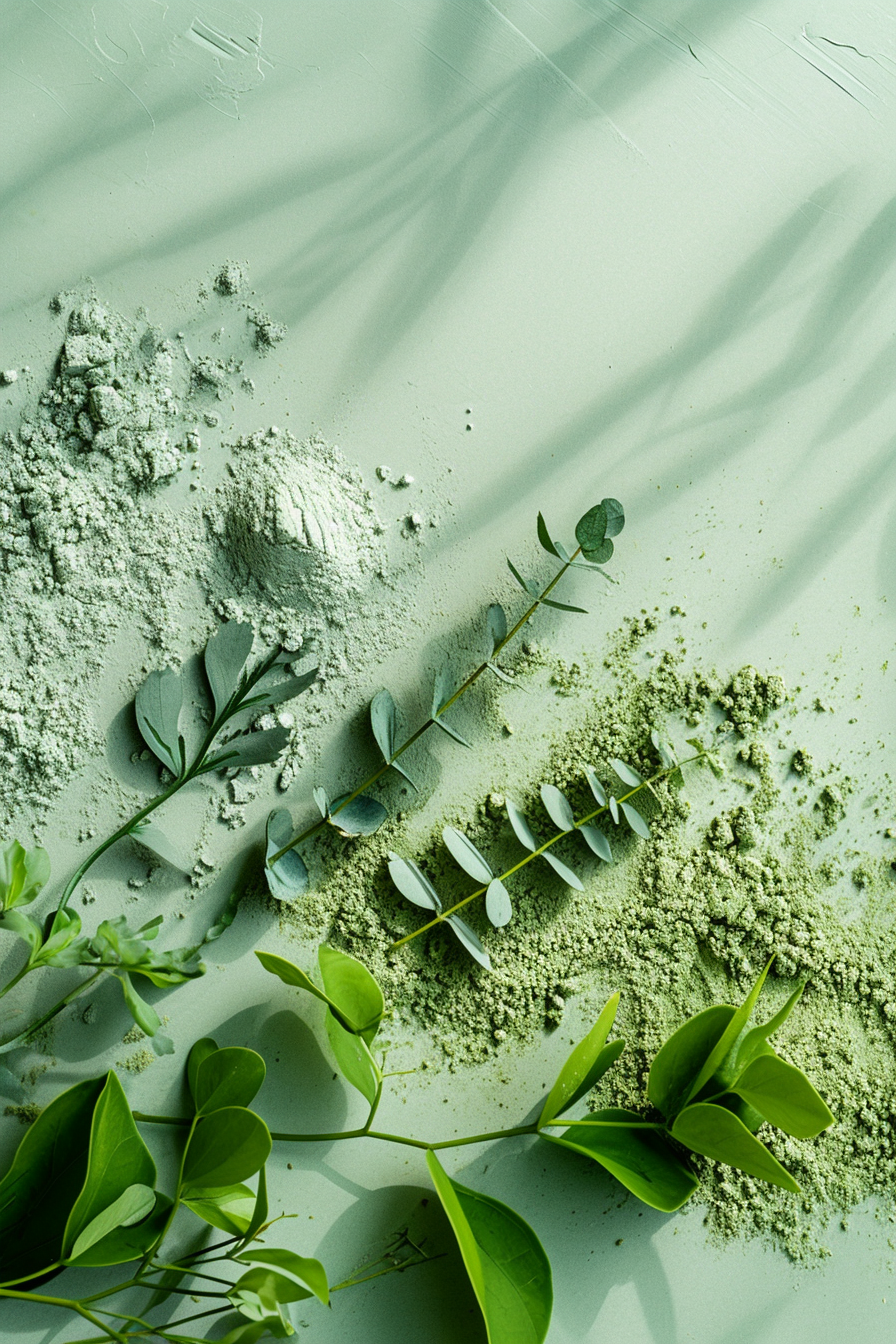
(352, 991)
(226, 654)
(626, 773)
(585, 1066)
(505, 1261)
(228, 1207)
(288, 877)
(442, 693)
(783, 1095)
(199, 1052)
(526, 584)
(352, 1055)
(544, 538)
(596, 787)
(158, 705)
(23, 874)
(635, 820)
(558, 807)
(362, 816)
(717, 1133)
(413, 884)
(469, 940)
(321, 800)
(614, 809)
(309, 1274)
(521, 828)
(153, 838)
(465, 853)
(384, 723)
(563, 872)
(615, 516)
(598, 842)
(283, 690)
(497, 904)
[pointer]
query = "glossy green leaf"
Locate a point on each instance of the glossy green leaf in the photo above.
(260, 1210)
(544, 538)
(353, 1058)
(291, 974)
(584, 1066)
(751, 1044)
(229, 1077)
(591, 534)
(596, 787)
(521, 828)
(308, 1274)
(469, 940)
(716, 1132)
(23, 873)
(199, 1052)
(466, 855)
(63, 947)
(352, 990)
(496, 621)
(226, 1147)
(784, 1096)
(23, 926)
(143, 1013)
(598, 842)
(288, 877)
(413, 884)
(247, 749)
(558, 807)
(261, 1295)
(730, 1035)
(131, 1206)
(127, 1243)
(498, 906)
(44, 1181)
(362, 816)
(635, 820)
(563, 871)
(227, 1207)
(226, 654)
(158, 705)
(679, 1061)
(118, 1159)
(505, 1261)
(640, 1159)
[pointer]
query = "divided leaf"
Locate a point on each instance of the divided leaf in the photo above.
(640, 1159)
(465, 853)
(588, 1062)
(226, 654)
(158, 705)
(558, 807)
(506, 1263)
(288, 877)
(718, 1133)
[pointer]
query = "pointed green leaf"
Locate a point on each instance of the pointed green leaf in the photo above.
(784, 1096)
(635, 820)
(413, 884)
(469, 940)
(282, 691)
(506, 1263)
(199, 1052)
(228, 1077)
(443, 689)
(352, 990)
(309, 1274)
(526, 584)
(501, 675)
(641, 1159)
(288, 877)
(157, 705)
(291, 974)
(626, 773)
(598, 842)
(384, 722)
(353, 1058)
(679, 1061)
(131, 1206)
(153, 838)
(466, 855)
(143, 1013)
(497, 625)
(717, 1133)
(558, 807)
(577, 1075)
(497, 904)
(544, 538)
(562, 606)
(226, 1207)
(614, 809)
(260, 748)
(127, 1243)
(566, 874)
(226, 654)
(752, 1043)
(321, 800)
(521, 828)
(260, 1211)
(226, 1147)
(731, 1033)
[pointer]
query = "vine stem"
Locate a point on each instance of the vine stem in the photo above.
(365, 1132)
(71, 1305)
(443, 915)
(433, 719)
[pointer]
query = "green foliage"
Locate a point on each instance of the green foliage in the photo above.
(23, 874)
(641, 1159)
(588, 1062)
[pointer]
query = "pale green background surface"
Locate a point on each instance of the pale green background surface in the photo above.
(652, 248)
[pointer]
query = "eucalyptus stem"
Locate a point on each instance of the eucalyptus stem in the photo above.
(433, 719)
(443, 915)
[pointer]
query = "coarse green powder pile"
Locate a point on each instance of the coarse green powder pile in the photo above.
(736, 869)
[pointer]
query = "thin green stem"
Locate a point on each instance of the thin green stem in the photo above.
(364, 1133)
(603, 1124)
(176, 1202)
(25, 1036)
(19, 975)
(71, 1305)
(537, 853)
(430, 722)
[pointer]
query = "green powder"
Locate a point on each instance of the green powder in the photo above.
(734, 871)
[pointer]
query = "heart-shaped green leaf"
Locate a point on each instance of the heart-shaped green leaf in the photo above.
(228, 1077)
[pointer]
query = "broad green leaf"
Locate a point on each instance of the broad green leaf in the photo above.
(227, 1207)
(153, 838)
(309, 1274)
(469, 940)
(497, 904)
(544, 538)
(128, 1243)
(413, 884)
(640, 1159)
(118, 1159)
(247, 749)
(784, 1096)
(591, 534)
(284, 690)
(132, 1205)
(352, 990)
(716, 1132)
(226, 1147)
(506, 1263)
(521, 828)
(362, 816)
(229, 1077)
(615, 516)
(226, 654)
(353, 1057)
(635, 820)
(63, 947)
(563, 872)
(752, 1043)
(288, 877)
(730, 1035)
(23, 873)
(497, 625)
(679, 1061)
(465, 853)
(199, 1052)
(291, 974)
(157, 705)
(598, 842)
(626, 773)
(596, 787)
(44, 1181)
(558, 807)
(579, 1074)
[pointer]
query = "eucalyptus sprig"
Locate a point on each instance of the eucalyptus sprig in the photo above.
(356, 812)
(57, 941)
(416, 887)
(63, 1203)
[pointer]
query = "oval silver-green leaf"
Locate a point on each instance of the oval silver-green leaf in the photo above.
(497, 904)
(558, 807)
(465, 853)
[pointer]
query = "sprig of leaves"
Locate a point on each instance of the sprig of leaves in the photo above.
(356, 812)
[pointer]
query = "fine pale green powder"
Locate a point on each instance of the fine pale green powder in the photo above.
(736, 870)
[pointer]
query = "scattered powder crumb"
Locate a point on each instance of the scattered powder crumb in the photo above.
(138, 1062)
(231, 278)
(25, 1114)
